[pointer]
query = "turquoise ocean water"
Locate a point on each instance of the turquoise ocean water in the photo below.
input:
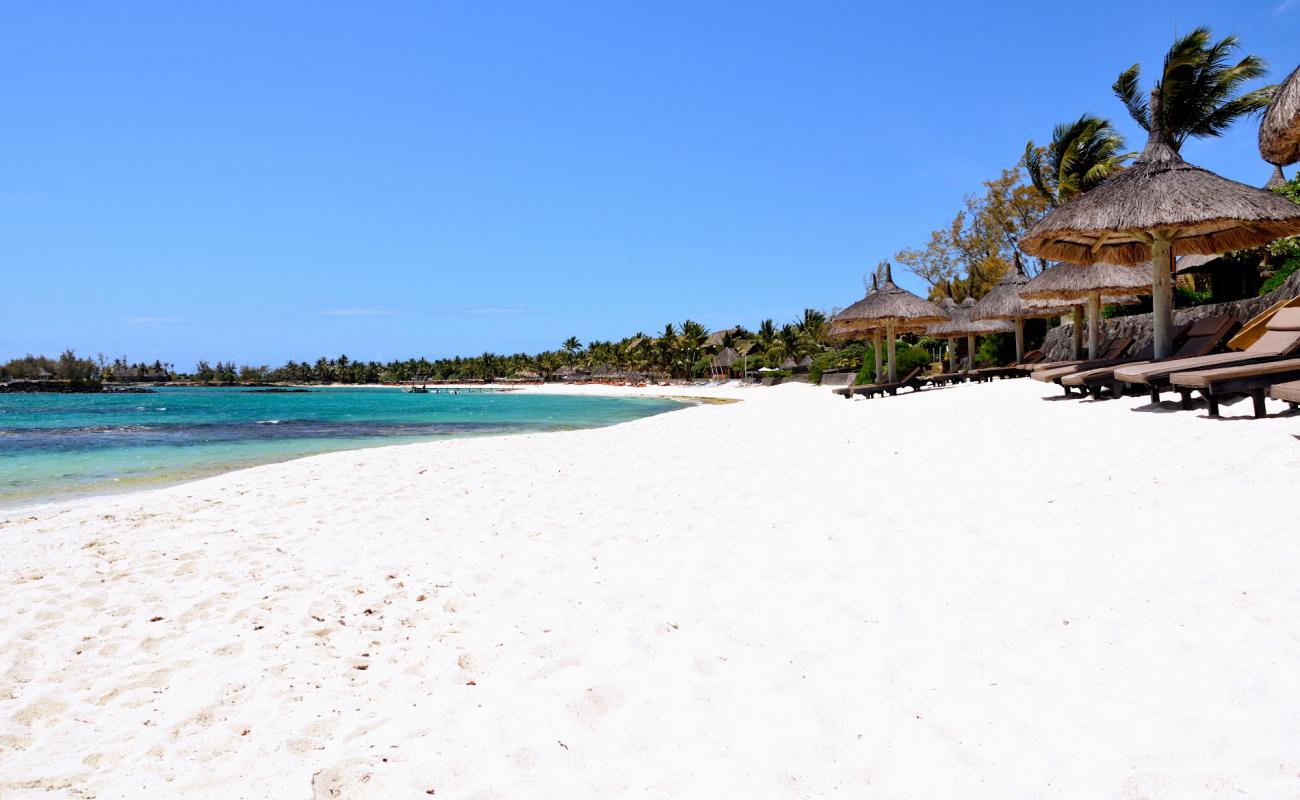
(54, 446)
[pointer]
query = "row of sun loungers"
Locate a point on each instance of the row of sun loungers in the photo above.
(1268, 367)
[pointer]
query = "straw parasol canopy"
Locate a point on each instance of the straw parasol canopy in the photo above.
(1003, 301)
(960, 322)
(1076, 283)
(1158, 208)
(1279, 132)
(895, 308)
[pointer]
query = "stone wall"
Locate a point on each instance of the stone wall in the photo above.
(1059, 344)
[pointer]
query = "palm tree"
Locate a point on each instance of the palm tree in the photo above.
(690, 341)
(791, 343)
(766, 334)
(1200, 89)
(571, 348)
(813, 325)
(666, 348)
(1081, 155)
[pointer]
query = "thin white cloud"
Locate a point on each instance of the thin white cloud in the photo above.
(151, 320)
(1284, 5)
(492, 311)
(360, 312)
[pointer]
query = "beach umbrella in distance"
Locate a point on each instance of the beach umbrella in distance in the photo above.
(1075, 282)
(1279, 131)
(849, 324)
(1004, 302)
(960, 322)
(1159, 208)
(897, 310)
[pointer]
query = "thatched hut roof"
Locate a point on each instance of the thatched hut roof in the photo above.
(1004, 301)
(715, 338)
(1279, 131)
(889, 302)
(806, 361)
(726, 358)
(789, 363)
(1201, 212)
(1075, 282)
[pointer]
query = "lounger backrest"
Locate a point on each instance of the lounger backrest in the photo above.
(910, 376)
(1205, 335)
(1117, 347)
(1148, 350)
(1282, 333)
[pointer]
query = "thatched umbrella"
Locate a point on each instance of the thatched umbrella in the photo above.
(1004, 302)
(1279, 131)
(961, 322)
(849, 324)
(1074, 282)
(1158, 208)
(898, 309)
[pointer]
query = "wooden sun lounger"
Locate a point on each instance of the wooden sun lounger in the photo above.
(1287, 393)
(1016, 369)
(1200, 339)
(911, 380)
(1112, 349)
(1146, 353)
(1256, 325)
(1281, 337)
(1217, 385)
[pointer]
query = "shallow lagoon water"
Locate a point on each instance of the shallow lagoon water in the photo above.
(60, 445)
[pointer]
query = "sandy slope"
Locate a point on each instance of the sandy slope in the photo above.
(972, 592)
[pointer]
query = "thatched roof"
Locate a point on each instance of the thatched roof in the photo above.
(889, 302)
(1202, 212)
(789, 363)
(726, 358)
(715, 338)
(1076, 282)
(1279, 131)
(806, 361)
(960, 322)
(1004, 301)
(1193, 263)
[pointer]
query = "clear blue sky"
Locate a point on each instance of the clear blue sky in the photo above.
(260, 181)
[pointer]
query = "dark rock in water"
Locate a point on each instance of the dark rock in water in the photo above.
(49, 387)
(276, 391)
(128, 390)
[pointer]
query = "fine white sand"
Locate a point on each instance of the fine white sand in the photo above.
(972, 592)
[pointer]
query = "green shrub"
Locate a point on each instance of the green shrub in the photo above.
(845, 358)
(1279, 276)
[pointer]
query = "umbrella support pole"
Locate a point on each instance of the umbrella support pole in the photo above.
(1020, 339)
(1162, 295)
(970, 350)
(880, 356)
(952, 354)
(893, 367)
(1094, 325)
(1078, 332)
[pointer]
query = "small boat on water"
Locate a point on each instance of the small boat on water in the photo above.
(423, 388)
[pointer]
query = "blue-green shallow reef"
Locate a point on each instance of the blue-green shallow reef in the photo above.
(55, 446)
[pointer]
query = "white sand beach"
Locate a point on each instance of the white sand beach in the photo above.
(974, 592)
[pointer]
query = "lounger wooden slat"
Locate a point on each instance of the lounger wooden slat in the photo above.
(911, 380)
(1286, 392)
(1216, 385)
